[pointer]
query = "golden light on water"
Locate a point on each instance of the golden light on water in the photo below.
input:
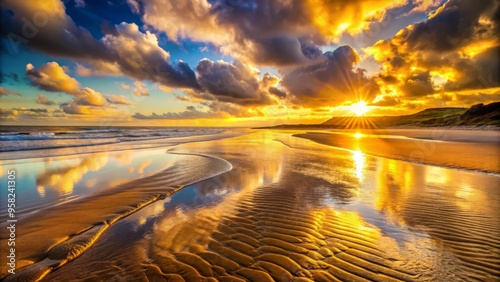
(359, 163)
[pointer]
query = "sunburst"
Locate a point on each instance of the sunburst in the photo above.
(360, 108)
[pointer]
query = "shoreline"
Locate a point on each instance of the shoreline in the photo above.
(442, 154)
(307, 212)
(119, 146)
(458, 168)
(74, 245)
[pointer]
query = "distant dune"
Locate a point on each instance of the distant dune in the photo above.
(479, 115)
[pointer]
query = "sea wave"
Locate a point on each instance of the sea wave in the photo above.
(34, 139)
(27, 136)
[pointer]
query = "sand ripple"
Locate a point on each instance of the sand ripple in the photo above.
(287, 222)
(270, 239)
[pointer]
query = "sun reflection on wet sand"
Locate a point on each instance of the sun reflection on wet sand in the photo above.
(291, 208)
(358, 135)
(359, 163)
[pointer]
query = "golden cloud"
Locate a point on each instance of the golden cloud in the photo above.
(455, 49)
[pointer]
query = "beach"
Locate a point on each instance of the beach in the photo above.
(262, 205)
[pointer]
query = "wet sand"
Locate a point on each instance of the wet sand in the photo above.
(55, 235)
(456, 149)
(294, 210)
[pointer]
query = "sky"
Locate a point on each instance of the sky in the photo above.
(242, 62)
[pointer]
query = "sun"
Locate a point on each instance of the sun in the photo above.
(360, 108)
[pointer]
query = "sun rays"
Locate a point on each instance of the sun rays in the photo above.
(360, 108)
(359, 118)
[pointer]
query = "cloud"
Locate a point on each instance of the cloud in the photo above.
(140, 89)
(8, 114)
(456, 48)
(215, 110)
(83, 71)
(73, 107)
(330, 81)
(451, 27)
(189, 113)
(124, 49)
(385, 101)
(5, 92)
(80, 3)
(418, 84)
(277, 92)
(53, 77)
(25, 114)
(186, 19)
(124, 86)
(119, 100)
(281, 33)
(51, 30)
(426, 5)
(138, 55)
(98, 68)
(89, 97)
(471, 98)
(43, 100)
(479, 71)
(226, 82)
(277, 32)
(134, 6)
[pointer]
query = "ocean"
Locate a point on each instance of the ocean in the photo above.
(19, 138)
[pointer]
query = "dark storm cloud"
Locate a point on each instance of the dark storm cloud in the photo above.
(277, 92)
(331, 80)
(310, 50)
(233, 83)
(481, 71)
(418, 85)
(453, 27)
(274, 28)
(278, 32)
(279, 50)
(138, 55)
(46, 27)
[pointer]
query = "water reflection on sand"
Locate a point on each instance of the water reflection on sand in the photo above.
(46, 181)
(292, 208)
